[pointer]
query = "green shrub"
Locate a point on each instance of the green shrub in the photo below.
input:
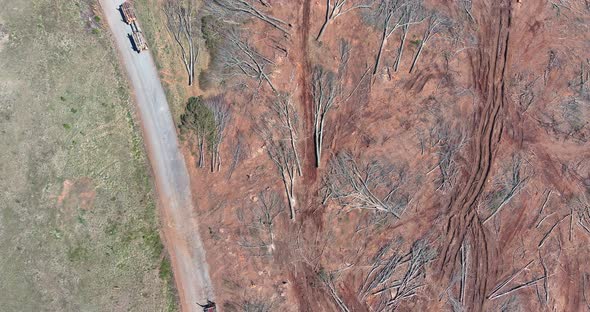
(198, 118)
(165, 270)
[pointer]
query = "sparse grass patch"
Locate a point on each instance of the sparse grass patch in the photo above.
(77, 254)
(78, 228)
(165, 269)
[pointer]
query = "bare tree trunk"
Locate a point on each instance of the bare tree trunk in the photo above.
(191, 48)
(326, 21)
(417, 56)
(317, 137)
(378, 58)
(401, 47)
(291, 195)
(221, 115)
(213, 159)
(292, 134)
(435, 21)
(181, 15)
(201, 152)
(294, 147)
(326, 91)
(218, 159)
(320, 140)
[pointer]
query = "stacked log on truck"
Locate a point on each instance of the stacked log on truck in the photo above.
(136, 34)
(128, 13)
(138, 38)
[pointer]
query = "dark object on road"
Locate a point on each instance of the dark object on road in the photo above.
(209, 306)
(128, 13)
(138, 39)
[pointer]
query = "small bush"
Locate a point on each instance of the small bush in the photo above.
(165, 270)
(152, 240)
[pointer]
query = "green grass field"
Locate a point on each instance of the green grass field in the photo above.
(78, 224)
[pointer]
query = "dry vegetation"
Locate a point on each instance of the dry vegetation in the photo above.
(394, 154)
(78, 226)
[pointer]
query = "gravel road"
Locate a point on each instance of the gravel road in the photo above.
(179, 224)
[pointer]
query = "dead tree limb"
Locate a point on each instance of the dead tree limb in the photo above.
(582, 208)
(221, 115)
(435, 23)
(288, 119)
(259, 220)
(515, 288)
(181, 17)
(545, 201)
(284, 159)
(412, 14)
(546, 275)
(244, 7)
(326, 90)
(374, 186)
(337, 8)
(394, 278)
(390, 15)
(448, 143)
(238, 154)
(515, 184)
(550, 230)
(411, 281)
(509, 279)
(280, 148)
(328, 280)
(464, 266)
(467, 6)
(242, 58)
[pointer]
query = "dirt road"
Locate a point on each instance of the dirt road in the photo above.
(179, 224)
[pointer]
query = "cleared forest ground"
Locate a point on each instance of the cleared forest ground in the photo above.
(454, 173)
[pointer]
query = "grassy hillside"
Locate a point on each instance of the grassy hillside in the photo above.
(78, 226)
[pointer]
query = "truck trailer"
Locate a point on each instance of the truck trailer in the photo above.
(137, 36)
(139, 40)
